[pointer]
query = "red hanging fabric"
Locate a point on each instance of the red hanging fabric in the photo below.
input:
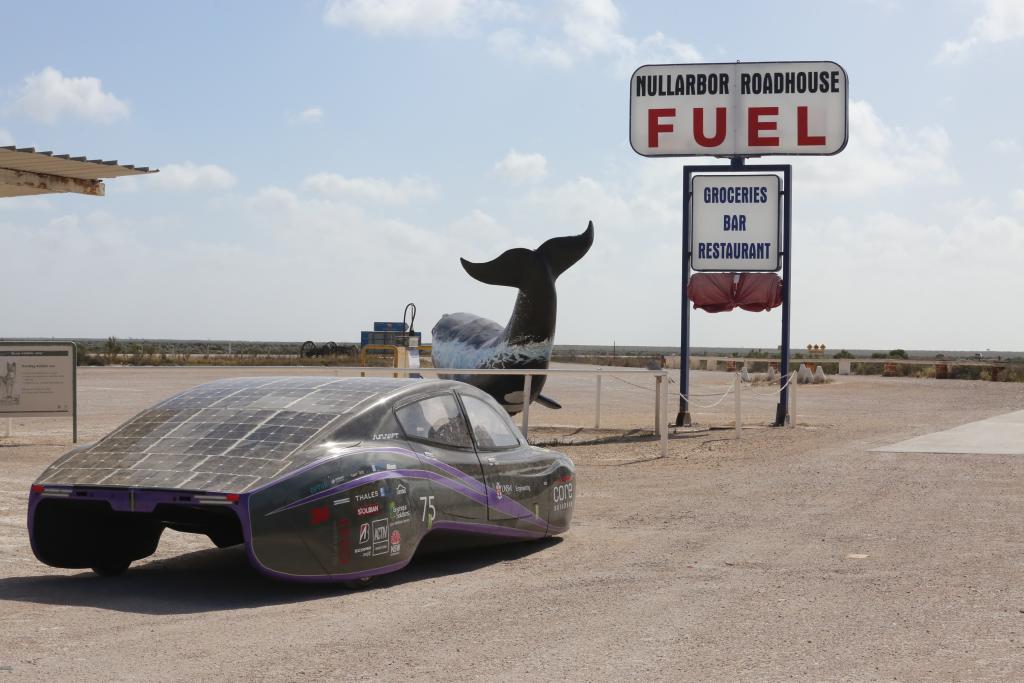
(720, 292)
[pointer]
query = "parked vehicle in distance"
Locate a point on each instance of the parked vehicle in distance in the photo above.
(322, 478)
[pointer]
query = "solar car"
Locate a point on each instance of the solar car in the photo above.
(322, 478)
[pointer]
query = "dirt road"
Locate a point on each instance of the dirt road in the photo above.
(794, 554)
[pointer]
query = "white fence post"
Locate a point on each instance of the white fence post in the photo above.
(597, 406)
(664, 417)
(657, 406)
(527, 387)
(739, 417)
(792, 399)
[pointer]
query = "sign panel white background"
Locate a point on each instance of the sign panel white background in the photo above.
(36, 380)
(665, 97)
(749, 224)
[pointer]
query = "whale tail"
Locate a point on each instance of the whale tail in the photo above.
(516, 266)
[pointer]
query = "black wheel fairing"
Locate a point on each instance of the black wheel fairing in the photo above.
(78, 534)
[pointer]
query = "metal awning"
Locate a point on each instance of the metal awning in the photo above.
(24, 171)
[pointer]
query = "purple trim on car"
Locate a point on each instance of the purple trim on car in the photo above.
(486, 529)
(506, 505)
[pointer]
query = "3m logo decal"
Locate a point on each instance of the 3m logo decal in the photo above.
(319, 515)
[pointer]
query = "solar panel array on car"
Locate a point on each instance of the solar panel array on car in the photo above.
(229, 435)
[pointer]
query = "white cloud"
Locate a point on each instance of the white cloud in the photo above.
(49, 96)
(521, 168)
(5, 138)
(513, 44)
(879, 156)
(589, 29)
(1017, 199)
(310, 115)
(558, 34)
(418, 16)
(1005, 146)
(373, 189)
(477, 230)
(1001, 21)
(887, 278)
(190, 176)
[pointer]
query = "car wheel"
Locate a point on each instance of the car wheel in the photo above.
(359, 584)
(112, 567)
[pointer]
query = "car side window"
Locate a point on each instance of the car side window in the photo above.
(436, 419)
(490, 428)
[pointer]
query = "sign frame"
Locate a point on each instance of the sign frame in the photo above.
(737, 165)
(767, 152)
(778, 221)
(73, 348)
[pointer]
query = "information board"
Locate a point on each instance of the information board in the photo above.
(37, 379)
(735, 223)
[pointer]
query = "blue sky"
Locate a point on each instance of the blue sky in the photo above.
(323, 163)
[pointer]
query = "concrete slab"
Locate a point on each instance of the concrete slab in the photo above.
(1000, 435)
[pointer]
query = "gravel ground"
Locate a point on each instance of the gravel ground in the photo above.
(791, 554)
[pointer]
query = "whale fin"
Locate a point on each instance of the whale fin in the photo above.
(506, 270)
(511, 268)
(547, 402)
(562, 252)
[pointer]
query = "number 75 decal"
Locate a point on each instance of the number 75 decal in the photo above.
(428, 504)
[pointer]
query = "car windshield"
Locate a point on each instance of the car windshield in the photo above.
(436, 419)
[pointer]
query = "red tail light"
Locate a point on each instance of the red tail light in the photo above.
(38, 488)
(232, 497)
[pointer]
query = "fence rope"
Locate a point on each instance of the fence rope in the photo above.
(711, 405)
(776, 392)
(638, 386)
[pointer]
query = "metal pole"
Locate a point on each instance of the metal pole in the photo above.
(74, 392)
(787, 281)
(739, 417)
(683, 416)
(527, 386)
(597, 407)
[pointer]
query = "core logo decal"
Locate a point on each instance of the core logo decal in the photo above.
(562, 495)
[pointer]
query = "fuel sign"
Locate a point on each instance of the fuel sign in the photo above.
(740, 109)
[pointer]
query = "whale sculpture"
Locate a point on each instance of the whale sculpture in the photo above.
(465, 340)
